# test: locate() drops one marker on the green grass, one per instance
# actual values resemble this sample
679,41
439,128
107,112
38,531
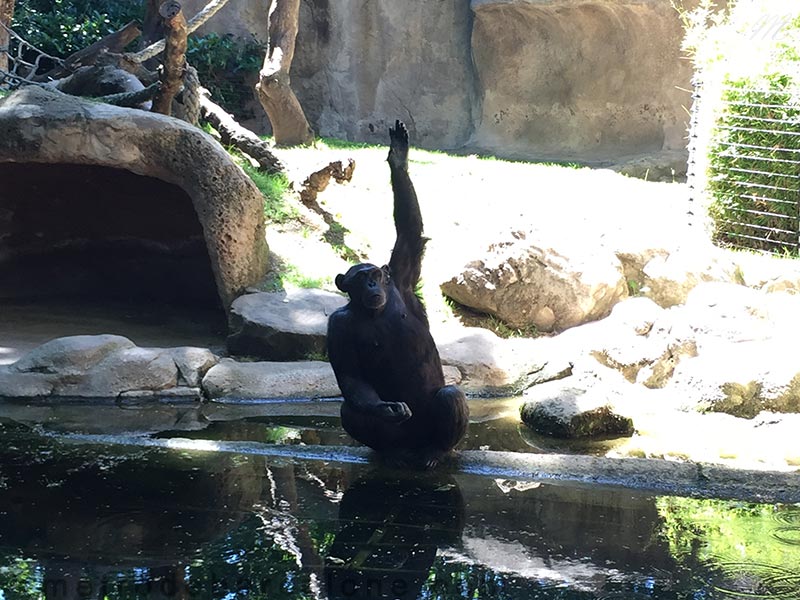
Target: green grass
347,145
288,275
274,187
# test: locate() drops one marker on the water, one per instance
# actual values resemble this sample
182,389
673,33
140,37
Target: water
135,512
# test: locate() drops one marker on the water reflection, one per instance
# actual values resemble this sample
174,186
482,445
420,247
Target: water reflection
390,532
82,521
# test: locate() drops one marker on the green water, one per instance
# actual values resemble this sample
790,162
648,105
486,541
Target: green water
84,520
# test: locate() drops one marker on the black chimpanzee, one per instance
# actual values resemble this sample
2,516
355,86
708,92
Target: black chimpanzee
381,349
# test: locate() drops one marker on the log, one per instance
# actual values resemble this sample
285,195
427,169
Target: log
233,134
113,42
174,56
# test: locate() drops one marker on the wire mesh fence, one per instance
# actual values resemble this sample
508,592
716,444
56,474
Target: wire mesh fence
753,168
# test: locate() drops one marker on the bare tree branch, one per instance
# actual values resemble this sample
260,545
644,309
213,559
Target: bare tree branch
194,23
174,57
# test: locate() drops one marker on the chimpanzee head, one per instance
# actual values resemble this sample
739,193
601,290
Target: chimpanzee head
366,284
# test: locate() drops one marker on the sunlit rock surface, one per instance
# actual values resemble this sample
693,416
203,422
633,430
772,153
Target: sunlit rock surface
289,325
105,366
309,379
525,283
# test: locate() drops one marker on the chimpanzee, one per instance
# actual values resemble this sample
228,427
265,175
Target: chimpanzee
381,349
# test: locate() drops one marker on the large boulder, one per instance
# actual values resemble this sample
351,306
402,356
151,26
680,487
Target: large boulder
575,408
270,380
549,286
45,132
289,325
492,366
105,366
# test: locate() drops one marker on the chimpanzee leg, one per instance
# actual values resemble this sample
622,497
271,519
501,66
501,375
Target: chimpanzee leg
449,416
382,436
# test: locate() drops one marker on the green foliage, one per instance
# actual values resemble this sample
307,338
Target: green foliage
753,538
751,79
753,165
223,65
61,27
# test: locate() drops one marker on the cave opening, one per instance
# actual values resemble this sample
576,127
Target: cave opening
94,249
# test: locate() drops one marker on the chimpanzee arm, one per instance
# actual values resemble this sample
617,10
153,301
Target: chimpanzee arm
358,393
406,261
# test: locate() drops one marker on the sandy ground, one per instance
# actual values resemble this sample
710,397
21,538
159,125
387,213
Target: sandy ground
468,203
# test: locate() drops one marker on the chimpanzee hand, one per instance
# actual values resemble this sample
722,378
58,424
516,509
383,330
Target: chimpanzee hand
398,145
393,412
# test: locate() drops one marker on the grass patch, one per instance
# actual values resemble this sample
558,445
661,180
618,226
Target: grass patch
288,275
337,144
274,187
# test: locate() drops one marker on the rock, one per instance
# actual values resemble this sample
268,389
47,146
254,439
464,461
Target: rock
42,129
14,384
193,363
72,355
126,370
92,366
452,375
721,313
574,408
528,284
350,82
491,366
513,77
595,48
93,81
231,379
176,394
669,279
290,325
742,379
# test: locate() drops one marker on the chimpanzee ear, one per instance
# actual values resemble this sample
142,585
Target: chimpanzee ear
387,272
341,283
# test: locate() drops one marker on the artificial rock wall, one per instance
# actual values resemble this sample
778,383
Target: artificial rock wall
590,80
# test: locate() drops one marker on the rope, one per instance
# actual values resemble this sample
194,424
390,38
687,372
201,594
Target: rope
16,61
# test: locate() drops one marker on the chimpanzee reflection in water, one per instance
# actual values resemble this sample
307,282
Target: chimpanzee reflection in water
390,531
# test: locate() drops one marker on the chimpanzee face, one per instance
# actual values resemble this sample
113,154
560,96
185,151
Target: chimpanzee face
366,285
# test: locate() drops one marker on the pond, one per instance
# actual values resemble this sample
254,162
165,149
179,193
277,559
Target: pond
188,504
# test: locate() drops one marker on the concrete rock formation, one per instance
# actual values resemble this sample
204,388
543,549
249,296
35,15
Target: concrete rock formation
590,80
83,140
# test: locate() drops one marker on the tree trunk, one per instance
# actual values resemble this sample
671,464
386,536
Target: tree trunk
174,56
152,24
289,124
6,14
